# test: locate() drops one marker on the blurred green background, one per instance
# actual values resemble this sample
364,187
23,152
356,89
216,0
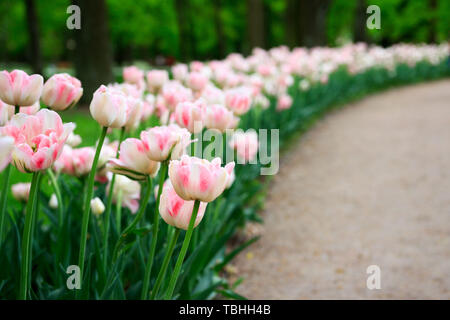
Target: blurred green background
34,36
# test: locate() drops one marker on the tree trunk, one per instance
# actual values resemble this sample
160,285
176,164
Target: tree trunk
359,26
432,37
220,53
255,24
292,23
183,42
93,53
33,33
312,20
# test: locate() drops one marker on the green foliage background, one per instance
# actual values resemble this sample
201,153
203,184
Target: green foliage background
142,29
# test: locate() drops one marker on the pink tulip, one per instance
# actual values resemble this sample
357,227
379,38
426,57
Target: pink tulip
189,115
164,142
148,106
156,80
128,89
238,100
213,95
61,91
180,72
129,191
198,179
133,75
174,93
218,117
6,112
73,140
75,162
245,144
31,110
108,152
284,102
19,89
196,66
133,161
134,113
197,81
177,212
109,107
6,146
38,139
21,191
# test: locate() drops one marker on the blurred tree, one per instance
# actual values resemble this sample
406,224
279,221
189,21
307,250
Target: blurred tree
255,24
312,18
218,23
35,55
359,25
306,22
292,23
93,56
432,37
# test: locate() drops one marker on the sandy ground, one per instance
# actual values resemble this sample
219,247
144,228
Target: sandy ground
368,185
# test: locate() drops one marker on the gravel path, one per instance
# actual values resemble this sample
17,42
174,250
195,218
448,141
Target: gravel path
369,184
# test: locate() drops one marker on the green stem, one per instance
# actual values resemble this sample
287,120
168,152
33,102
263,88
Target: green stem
151,254
3,198
4,195
58,196
25,270
109,206
119,211
137,218
87,203
184,248
162,272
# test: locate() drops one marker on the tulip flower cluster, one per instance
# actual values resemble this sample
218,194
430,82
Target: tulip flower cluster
125,203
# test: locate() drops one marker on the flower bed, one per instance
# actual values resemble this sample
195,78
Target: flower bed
113,218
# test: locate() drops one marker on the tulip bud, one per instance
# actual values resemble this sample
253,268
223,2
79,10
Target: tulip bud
133,74
61,91
189,115
19,89
134,113
97,206
218,117
180,72
6,146
164,142
129,191
246,145
177,212
21,191
198,179
156,79
31,110
6,112
133,161
238,100
197,81
73,140
173,93
284,102
53,202
109,107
